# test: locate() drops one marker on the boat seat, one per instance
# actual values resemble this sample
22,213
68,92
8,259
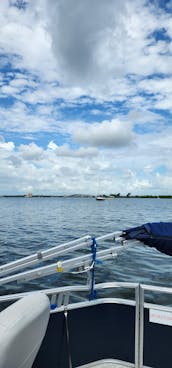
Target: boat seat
22,329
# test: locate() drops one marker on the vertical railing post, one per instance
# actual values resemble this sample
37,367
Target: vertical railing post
93,293
141,316
139,326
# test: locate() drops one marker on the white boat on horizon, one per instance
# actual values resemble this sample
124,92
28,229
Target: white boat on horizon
100,198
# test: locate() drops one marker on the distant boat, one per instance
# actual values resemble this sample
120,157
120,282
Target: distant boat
100,198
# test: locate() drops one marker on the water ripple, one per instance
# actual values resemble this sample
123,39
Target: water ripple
31,224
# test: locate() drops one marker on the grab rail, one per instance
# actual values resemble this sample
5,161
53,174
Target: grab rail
61,298
82,262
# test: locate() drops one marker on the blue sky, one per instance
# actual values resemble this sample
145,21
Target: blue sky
85,97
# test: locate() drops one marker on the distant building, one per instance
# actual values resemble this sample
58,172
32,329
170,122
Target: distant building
28,195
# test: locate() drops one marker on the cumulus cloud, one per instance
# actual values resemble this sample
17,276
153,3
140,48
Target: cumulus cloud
76,41
24,38
161,89
31,152
61,170
91,46
67,65
7,146
106,46
66,151
106,134
19,118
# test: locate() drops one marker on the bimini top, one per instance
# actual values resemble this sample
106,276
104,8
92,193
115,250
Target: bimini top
156,234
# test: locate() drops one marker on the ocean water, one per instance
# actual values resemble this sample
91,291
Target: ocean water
31,224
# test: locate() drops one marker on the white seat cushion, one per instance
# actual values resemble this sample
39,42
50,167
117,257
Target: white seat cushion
22,329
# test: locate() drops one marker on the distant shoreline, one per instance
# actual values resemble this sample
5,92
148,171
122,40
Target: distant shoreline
85,196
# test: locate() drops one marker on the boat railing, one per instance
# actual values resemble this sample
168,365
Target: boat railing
11,272
154,322
149,318
71,290
147,323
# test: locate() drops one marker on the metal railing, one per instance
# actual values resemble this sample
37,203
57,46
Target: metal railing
156,307
61,299
10,272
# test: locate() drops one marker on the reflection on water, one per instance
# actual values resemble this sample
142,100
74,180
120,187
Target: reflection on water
31,224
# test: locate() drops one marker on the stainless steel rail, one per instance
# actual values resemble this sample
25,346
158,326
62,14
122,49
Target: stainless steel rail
142,305
83,262
56,251
62,296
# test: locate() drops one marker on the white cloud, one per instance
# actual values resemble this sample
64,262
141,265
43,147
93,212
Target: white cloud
19,118
31,152
161,90
106,134
93,42
72,55
89,47
52,146
8,90
24,35
106,46
66,151
7,146
76,41
61,170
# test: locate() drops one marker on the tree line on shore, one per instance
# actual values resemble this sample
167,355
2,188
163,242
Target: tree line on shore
112,195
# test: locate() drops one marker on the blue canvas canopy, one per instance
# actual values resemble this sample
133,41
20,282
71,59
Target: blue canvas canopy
156,234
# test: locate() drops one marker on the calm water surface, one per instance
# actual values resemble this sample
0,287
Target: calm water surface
31,224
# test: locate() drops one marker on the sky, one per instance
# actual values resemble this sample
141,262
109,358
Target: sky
85,97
